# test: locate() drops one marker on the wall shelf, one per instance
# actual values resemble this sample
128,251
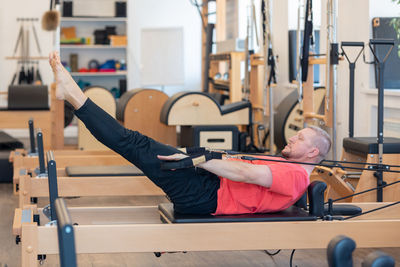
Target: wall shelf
85,26
97,46
98,74
93,19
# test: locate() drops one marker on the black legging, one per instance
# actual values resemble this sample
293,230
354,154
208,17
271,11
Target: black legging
192,190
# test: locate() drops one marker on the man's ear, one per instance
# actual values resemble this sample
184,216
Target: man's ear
314,152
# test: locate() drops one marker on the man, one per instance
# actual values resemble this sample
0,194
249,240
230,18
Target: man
217,186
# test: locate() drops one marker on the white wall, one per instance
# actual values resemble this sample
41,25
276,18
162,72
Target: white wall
158,14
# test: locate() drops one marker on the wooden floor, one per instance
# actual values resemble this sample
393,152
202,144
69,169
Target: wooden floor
10,252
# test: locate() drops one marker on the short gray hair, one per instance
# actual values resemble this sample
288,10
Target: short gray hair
322,142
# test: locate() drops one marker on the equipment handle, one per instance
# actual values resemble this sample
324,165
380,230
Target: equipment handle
361,44
381,41
63,216
50,156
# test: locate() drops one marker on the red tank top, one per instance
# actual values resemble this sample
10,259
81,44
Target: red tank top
289,182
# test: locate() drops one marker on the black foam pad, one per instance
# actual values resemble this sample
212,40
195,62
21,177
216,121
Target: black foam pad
88,171
28,97
343,209
8,142
291,214
369,145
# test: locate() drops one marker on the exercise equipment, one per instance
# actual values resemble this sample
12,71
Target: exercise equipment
28,97
104,99
367,148
50,121
192,109
110,227
7,144
140,110
28,165
65,232
352,66
35,187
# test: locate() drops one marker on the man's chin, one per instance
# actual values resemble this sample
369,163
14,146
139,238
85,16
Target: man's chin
285,153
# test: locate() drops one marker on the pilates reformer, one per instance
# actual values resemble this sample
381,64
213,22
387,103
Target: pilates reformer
106,184
77,164
339,250
139,229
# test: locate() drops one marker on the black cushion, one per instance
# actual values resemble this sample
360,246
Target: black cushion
6,167
291,214
8,142
28,97
368,145
232,107
88,171
343,209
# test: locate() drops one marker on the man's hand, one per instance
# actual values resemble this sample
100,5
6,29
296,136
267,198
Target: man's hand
174,157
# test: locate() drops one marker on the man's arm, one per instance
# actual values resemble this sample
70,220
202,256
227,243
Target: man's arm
237,171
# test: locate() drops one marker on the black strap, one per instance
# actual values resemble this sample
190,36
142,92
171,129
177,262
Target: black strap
191,161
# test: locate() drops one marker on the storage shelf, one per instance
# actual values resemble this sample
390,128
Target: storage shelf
82,46
93,19
98,74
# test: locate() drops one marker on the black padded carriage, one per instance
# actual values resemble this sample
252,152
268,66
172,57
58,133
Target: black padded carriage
297,212
291,214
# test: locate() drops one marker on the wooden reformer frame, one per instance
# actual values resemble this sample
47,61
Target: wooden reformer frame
87,186
140,230
24,164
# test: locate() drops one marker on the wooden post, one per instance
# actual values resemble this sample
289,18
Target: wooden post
204,13
257,93
235,83
29,244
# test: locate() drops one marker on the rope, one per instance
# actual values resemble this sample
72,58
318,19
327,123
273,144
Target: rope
363,213
362,192
385,168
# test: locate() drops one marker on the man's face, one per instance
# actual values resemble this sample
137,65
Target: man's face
299,145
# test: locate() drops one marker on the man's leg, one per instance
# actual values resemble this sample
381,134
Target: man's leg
190,190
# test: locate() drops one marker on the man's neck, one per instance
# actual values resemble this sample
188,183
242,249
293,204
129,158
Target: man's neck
307,167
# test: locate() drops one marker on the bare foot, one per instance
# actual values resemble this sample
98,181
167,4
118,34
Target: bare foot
67,89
